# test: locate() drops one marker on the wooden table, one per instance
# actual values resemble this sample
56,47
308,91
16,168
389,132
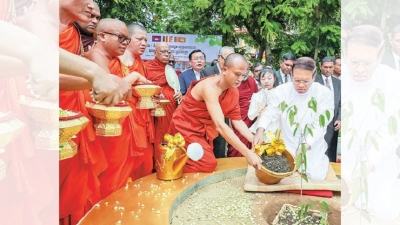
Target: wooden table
150,200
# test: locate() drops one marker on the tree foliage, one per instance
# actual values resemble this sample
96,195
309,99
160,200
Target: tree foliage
303,27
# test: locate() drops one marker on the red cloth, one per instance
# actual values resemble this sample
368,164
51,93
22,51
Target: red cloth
26,191
178,72
143,130
246,90
320,193
79,185
118,150
156,73
193,121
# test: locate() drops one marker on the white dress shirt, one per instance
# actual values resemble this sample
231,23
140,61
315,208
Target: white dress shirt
197,74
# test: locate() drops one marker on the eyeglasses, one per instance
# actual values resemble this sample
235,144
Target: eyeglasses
199,58
306,82
171,61
257,71
121,38
366,64
165,52
222,57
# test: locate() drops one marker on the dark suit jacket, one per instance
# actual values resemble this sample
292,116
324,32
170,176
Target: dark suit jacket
208,71
388,59
185,79
278,80
337,87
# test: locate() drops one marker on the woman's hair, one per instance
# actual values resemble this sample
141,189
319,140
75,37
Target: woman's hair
265,71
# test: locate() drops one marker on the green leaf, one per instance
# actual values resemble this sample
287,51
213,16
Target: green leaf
298,161
311,205
328,115
321,120
291,118
304,177
378,100
365,214
392,125
294,132
310,132
373,140
326,207
312,104
283,106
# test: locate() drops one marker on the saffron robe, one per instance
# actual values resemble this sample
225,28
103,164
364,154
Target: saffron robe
193,121
246,90
156,73
79,184
143,130
119,150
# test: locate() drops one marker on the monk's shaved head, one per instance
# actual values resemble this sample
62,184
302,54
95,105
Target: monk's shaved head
110,24
162,52
234,59
133,28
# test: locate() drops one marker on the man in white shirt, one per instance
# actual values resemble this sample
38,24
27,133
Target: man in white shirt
297,95
334,85
283,75
197,60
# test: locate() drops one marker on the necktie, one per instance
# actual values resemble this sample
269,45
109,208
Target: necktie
286,79
327,83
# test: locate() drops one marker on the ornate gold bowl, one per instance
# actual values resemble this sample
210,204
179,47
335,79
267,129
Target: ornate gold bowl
269,177
108,122
68,127
45,116
144,92
159,110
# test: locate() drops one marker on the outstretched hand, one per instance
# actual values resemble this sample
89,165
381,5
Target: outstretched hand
254,160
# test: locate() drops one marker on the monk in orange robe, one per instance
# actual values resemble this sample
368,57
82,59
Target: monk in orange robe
119,150
79,187
143,129
200,117
246,89
156,73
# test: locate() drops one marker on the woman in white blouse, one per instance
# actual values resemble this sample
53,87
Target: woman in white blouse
258,101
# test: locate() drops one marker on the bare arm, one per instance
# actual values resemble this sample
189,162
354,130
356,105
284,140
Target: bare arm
72,83
243,129
210,97
12,67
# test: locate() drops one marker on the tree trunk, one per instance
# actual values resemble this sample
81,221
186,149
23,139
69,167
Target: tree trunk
316,48
260,52
268,55
383,15
317,18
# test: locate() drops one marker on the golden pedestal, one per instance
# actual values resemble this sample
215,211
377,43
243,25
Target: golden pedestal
45,117
159,110
109,119
145,92
68,127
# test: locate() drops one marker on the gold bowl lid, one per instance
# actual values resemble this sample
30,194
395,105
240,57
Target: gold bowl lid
116,112
146,90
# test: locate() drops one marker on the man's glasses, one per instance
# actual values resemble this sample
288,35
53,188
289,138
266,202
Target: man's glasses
165,52
222,57
121,38
257,71
306,82
171,61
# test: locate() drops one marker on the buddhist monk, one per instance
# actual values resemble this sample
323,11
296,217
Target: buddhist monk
246,89
87,30
143,129
156,73
200,117
112,42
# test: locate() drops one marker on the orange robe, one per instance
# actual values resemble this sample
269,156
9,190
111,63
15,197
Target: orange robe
193,121
246,90
143,130
156,73
118,150
79,184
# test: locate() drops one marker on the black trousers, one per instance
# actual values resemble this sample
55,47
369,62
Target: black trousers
220,145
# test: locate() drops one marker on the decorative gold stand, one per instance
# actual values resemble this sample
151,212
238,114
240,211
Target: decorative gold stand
68,127
144,92
159,110
45,117
109,119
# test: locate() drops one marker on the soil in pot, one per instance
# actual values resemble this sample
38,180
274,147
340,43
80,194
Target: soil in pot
276,163
290,216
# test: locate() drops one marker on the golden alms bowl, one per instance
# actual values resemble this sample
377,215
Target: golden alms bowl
10,128
70,125
269,177
39,110
144,92
159,110
108,119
